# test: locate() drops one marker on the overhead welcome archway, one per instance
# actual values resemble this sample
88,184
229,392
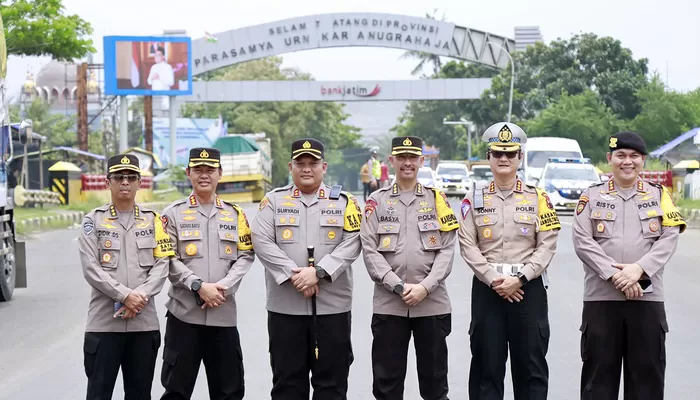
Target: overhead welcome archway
349,30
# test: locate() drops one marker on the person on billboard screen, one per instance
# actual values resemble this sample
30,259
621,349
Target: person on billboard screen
161,76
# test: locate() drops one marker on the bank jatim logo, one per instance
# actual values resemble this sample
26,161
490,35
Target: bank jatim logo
357,90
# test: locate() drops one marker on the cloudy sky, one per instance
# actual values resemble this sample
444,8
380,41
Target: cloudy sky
663,31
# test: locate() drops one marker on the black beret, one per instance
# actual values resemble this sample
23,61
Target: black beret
123,162
307,146
406,144
627,140
204,156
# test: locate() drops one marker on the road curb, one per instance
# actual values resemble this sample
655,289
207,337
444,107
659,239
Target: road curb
71,217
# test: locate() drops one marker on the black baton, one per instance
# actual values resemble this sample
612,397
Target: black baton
312,264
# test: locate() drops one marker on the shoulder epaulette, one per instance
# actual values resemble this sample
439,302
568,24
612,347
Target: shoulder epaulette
655,184
175,203
281,188
229,202
597,184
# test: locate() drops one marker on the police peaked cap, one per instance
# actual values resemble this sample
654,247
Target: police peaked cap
504,136
307,146
123,162
206,156
627,140
407,145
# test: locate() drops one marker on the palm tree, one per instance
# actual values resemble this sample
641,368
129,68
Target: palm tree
424,58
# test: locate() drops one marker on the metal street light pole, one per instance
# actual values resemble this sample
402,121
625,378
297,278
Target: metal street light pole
512,77
469,126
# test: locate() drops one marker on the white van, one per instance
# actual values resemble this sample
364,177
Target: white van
538,150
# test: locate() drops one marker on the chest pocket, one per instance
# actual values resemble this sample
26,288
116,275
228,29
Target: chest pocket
525,223
430,235
109,253
651,222
486,226
603,222
145,248
388,236
332,229
286,228
189,244
227,245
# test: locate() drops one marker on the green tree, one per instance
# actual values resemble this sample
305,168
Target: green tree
41,28
543,72
424,118
283,122
665,114
582,117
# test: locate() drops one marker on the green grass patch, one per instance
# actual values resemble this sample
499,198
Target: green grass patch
692,204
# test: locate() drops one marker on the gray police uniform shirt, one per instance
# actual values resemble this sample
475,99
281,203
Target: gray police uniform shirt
212,244
409,237
639,225
119,255
286,223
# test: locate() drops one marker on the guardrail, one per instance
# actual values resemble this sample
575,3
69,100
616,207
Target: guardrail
32,198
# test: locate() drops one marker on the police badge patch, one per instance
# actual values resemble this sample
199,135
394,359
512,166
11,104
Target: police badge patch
88,227
466,206
164,221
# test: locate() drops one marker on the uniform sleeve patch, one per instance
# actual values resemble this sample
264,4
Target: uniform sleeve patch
88,227
582,202
466,207
164,221
370,206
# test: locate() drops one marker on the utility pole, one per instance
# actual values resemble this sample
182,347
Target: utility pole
148,121
469,126
82,107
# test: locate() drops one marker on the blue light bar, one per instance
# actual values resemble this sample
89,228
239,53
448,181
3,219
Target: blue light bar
570,160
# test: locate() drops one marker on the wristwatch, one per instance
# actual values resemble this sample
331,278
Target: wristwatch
320,272
398,289
522,277
196,285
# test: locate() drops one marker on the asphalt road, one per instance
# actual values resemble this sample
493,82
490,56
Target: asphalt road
41,329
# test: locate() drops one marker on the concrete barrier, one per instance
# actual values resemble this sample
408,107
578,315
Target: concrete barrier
39,223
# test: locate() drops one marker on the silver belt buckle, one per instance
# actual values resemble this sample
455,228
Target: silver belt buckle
509,269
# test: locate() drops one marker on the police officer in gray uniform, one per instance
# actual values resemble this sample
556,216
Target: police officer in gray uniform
213,254
308,333
125,254
624,232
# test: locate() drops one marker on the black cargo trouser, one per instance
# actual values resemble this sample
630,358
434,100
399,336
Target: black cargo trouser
497,325
187,346
134,352
390,355
292,356
623,334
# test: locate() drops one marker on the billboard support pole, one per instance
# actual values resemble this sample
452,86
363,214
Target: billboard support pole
148,122
173,129
123,124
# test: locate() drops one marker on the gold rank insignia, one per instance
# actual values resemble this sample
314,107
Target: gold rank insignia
386,242
331,205
613,142
487,233
321,194
191,249
601,227
331,235
125,160
425,210
106,257
188,211
288,204
653,226
286,234
306,145
108,226
204,154
407,142
108,244
423,203
505,134
189,218
226,219
143,225
228,249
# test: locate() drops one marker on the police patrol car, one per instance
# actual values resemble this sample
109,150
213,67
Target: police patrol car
564,179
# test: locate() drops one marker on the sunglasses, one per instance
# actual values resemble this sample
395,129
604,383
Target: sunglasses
499,154
121,177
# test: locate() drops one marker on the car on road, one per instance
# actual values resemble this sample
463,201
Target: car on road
565,179
453,178
427,177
